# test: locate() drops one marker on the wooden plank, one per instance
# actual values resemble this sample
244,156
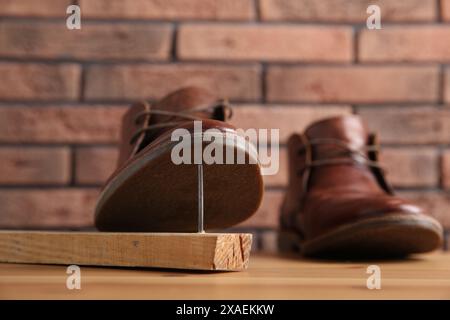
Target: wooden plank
268,277
197,251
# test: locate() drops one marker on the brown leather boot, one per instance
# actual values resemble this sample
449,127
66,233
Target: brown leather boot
148,192
338,202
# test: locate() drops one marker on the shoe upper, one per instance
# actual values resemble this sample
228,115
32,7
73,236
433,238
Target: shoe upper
144,122
335,178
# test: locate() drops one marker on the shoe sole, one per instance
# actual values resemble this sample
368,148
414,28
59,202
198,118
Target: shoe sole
155,195
390,236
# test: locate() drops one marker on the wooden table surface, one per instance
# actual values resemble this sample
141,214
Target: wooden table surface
268,277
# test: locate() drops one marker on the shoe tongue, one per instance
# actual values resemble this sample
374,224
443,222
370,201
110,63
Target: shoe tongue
179,102
186,99
350,129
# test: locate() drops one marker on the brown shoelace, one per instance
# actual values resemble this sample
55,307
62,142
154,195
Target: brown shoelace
349,155
188,115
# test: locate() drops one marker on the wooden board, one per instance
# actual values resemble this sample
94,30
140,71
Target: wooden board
197,251
268,277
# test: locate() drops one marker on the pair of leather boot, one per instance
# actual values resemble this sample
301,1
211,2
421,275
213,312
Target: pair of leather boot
337,202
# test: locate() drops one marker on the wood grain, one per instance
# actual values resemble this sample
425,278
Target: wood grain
208,251
268,277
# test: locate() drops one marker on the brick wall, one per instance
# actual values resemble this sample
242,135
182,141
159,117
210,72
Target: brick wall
284,63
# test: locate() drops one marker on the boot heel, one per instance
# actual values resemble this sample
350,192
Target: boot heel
288,242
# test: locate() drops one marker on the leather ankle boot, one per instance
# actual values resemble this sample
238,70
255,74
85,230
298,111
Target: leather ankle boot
338,202
151,192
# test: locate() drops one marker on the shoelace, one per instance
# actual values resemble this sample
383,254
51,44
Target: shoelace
347,156
185,115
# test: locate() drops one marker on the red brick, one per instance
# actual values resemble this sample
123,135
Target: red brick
405,43
34,165
447,85
445,169
169,10
288,119
435,203
265,42
94,165
357,84
52,208
142,81
445,10
414,125
87,124
267,214
69,124
94,41
345,11
30,8
39,81
407,167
